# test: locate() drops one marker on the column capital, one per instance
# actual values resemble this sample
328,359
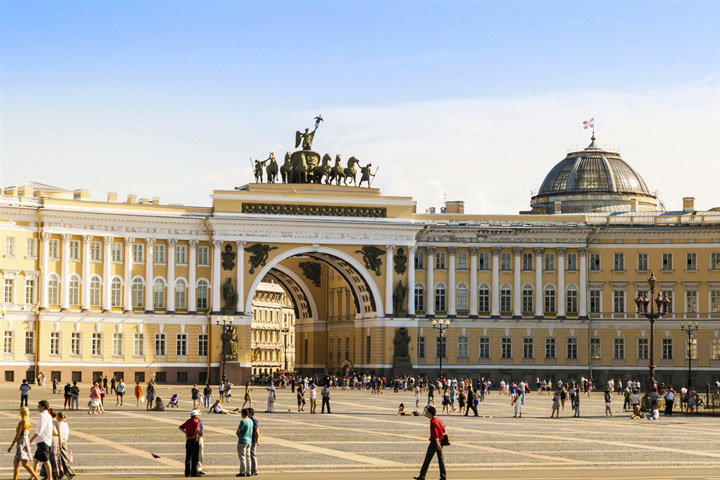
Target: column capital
172,242
411,249
129,240
517,250
561,251
44,236
217,243
430,250
495,250
474,251
539,250
240,243
452,250
193,243
150,242
390,249
65,237
108,240
87,238
583,250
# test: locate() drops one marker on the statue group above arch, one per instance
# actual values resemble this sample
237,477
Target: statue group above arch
307,166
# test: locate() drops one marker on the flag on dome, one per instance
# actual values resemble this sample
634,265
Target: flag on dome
589,123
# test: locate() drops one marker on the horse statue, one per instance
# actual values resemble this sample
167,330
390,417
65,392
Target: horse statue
272,169
337,172
286,169
322,170
351,171
300,169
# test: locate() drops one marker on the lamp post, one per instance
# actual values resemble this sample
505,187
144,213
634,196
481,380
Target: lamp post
226,323
689,328
285,330
441,326
662,309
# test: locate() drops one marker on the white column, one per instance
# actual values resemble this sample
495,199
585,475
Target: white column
85,300
216,287
65,291
389,281
517,286
44,265
538,282
495,282
452,303
240,279
192,261
107,259
561,283
171,275
149,258
411,281
128,274
583,282
473,282
430,307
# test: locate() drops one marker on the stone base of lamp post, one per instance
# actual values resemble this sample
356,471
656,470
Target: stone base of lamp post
402,366
236,373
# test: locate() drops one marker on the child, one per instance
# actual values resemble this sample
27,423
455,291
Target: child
576,406
555,406
417,397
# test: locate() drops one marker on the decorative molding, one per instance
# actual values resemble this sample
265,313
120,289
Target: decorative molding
314,210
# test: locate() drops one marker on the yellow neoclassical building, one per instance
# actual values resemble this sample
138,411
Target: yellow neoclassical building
133,287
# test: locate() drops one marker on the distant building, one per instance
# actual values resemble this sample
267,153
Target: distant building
273,330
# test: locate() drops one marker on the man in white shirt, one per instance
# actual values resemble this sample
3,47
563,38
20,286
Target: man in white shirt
43,438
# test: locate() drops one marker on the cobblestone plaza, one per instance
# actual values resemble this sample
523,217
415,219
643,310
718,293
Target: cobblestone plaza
363,438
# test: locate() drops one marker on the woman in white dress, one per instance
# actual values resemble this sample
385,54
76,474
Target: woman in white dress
271,398
22,453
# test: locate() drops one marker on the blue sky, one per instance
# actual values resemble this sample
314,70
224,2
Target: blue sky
204,85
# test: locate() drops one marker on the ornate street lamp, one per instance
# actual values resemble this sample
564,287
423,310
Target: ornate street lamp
226,323
441,326
662,309
689,328
285,330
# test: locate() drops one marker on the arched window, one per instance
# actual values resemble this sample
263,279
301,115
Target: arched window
549,299
419,297
116,293
180,294
137,293
484,298
159,294
572,300
202,294
74,290
440,305
527,299
505,299
462,297
95,292
53,289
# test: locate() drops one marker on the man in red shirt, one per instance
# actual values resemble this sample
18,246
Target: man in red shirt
192,444
437,430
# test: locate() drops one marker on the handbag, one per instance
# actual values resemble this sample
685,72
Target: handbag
445,441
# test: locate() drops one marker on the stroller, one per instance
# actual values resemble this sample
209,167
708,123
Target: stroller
173,401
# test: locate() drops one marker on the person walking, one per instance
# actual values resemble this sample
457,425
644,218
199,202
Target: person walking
437,431
207,395
113,385
67,393
149,395
24,389
248,395
55,449
74,397
244,433
472,399
517,401
325,395
255,441
120,392
138,393
300,398
313,398
105,382
22,440
195,396
271,398
576,405
64,452
201,444
43,438
555,406
94,405
55,385
669,401
608,402
191,427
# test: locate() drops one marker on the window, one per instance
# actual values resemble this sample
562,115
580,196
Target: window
571,262
484,261
691,262
159,254
181,255
202,294
160,345
9,290
159,294
74,249
715,349
462,347
440,297
95,292
715,261
96,344
139,344
137,293
75,343
692,349
527,299
506,347
419,260
462,261
116,293
203,345
180,294
618,348
202,256
117,344
691,301
619,261
95,251
484,351
642,262
10,246
440,347
595,302
714,301
527,261
116,250
53,249
571,300
528,348
138,252
643,349
182,377
618,301
549,262
419,297
505,262
505,297
484,298
595,348
420,346
549,348
667,349
594,262
572,348
74,290
29,290
8,341
462,297
439,260
29,343
667,261
549,300
31,247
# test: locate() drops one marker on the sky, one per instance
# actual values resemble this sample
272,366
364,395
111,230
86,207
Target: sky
472,101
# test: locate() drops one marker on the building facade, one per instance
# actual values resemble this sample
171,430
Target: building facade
273,330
